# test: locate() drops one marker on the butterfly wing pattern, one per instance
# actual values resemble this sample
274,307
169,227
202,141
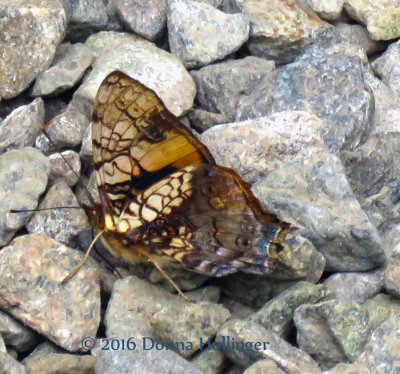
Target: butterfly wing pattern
162,195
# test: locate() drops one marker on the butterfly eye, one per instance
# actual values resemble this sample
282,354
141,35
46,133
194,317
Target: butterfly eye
208,189
243,242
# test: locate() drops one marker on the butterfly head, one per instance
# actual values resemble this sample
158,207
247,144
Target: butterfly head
95,215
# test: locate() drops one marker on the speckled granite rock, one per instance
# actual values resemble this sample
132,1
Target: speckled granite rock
63,313
31,31
62,363
65,166
63,225
154,67
332,332
23,175
21,127
282,41
200,34
277,314
381,18
145,18
276,349
68,67
64,130
189,322
139,361
222,87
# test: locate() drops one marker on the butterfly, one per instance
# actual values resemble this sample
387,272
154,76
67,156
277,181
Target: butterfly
163,199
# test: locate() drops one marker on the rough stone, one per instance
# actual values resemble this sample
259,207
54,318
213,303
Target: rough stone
147,18
23,175
69,65
31,31
31,270
21,127
63,225
282,42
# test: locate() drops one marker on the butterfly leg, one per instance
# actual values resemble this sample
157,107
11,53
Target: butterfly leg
73,272
168,278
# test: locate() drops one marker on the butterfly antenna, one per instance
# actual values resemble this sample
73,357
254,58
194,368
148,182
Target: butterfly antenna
43,130
70,275
41,209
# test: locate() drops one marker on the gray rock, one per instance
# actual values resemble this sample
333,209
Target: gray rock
21,127
271,346
264,366
326,9
357,287
69,65
237,309
142,361
53,106
302,184
382,353
62,363
64,130
253,147
298,261
380,18
86,17
63,225
104,41
387,112
32,292
332,332
387,69
209,362
17,335
349,369
31,32
201,120
277,314
155,68
41,351
8,364
392,272
332,86
374,174
23,175
273,39
379,309
147,18
197,322
211,294
315,192
133,302
61,170
222,87
358,35
200,34
186,280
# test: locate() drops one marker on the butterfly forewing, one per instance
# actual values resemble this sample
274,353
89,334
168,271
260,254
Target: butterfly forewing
162,195
136,141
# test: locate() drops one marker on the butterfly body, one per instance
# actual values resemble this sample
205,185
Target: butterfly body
162,195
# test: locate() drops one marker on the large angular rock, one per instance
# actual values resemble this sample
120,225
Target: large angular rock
23,175
31,31
31,270
200,34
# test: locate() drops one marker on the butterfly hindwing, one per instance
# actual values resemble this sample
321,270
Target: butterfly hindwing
136,141
205,218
